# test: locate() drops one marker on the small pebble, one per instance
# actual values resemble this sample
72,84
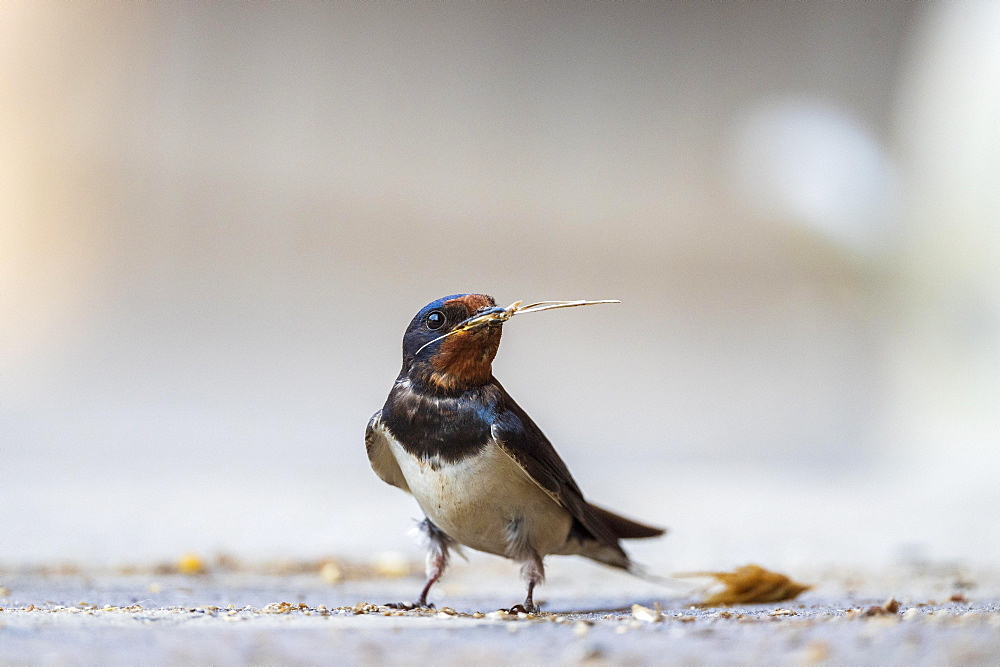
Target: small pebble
646,614
190,563
816,651
331,573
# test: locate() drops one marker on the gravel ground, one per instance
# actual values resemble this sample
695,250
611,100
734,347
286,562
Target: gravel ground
946,615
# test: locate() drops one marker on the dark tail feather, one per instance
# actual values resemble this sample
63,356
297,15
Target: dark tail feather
626,529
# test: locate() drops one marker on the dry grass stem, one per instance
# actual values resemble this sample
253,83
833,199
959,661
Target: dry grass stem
510,311
749,584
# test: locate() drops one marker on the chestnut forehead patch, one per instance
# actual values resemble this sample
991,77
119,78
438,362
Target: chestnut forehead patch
472,302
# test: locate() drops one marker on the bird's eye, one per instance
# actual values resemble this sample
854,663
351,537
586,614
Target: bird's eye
435,320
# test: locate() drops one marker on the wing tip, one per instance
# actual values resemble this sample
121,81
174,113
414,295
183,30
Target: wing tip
627,529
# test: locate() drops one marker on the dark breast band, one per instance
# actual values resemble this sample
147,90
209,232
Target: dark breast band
440,428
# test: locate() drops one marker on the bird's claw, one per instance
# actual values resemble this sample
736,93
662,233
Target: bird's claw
410,606
522,609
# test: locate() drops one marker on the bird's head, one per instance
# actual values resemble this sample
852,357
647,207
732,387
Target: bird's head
450,344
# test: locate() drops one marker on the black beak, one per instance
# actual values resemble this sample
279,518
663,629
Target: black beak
484,316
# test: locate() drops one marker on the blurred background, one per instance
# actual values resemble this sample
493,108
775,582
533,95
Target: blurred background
216,220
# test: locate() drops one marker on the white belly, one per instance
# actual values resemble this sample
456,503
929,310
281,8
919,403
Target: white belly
476,500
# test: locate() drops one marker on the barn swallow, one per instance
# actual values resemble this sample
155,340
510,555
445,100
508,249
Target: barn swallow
483,473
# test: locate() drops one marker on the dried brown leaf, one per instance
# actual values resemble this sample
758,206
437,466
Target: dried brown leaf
750,584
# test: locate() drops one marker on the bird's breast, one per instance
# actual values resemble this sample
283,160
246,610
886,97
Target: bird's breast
477,499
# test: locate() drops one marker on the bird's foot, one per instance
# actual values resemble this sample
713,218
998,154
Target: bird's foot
524,609
410,606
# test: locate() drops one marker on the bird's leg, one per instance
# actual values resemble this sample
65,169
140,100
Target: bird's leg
437,543
520,549
533,571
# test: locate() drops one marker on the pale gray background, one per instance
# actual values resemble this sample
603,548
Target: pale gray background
217,219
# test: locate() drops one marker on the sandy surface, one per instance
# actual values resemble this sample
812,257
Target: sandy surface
947,614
